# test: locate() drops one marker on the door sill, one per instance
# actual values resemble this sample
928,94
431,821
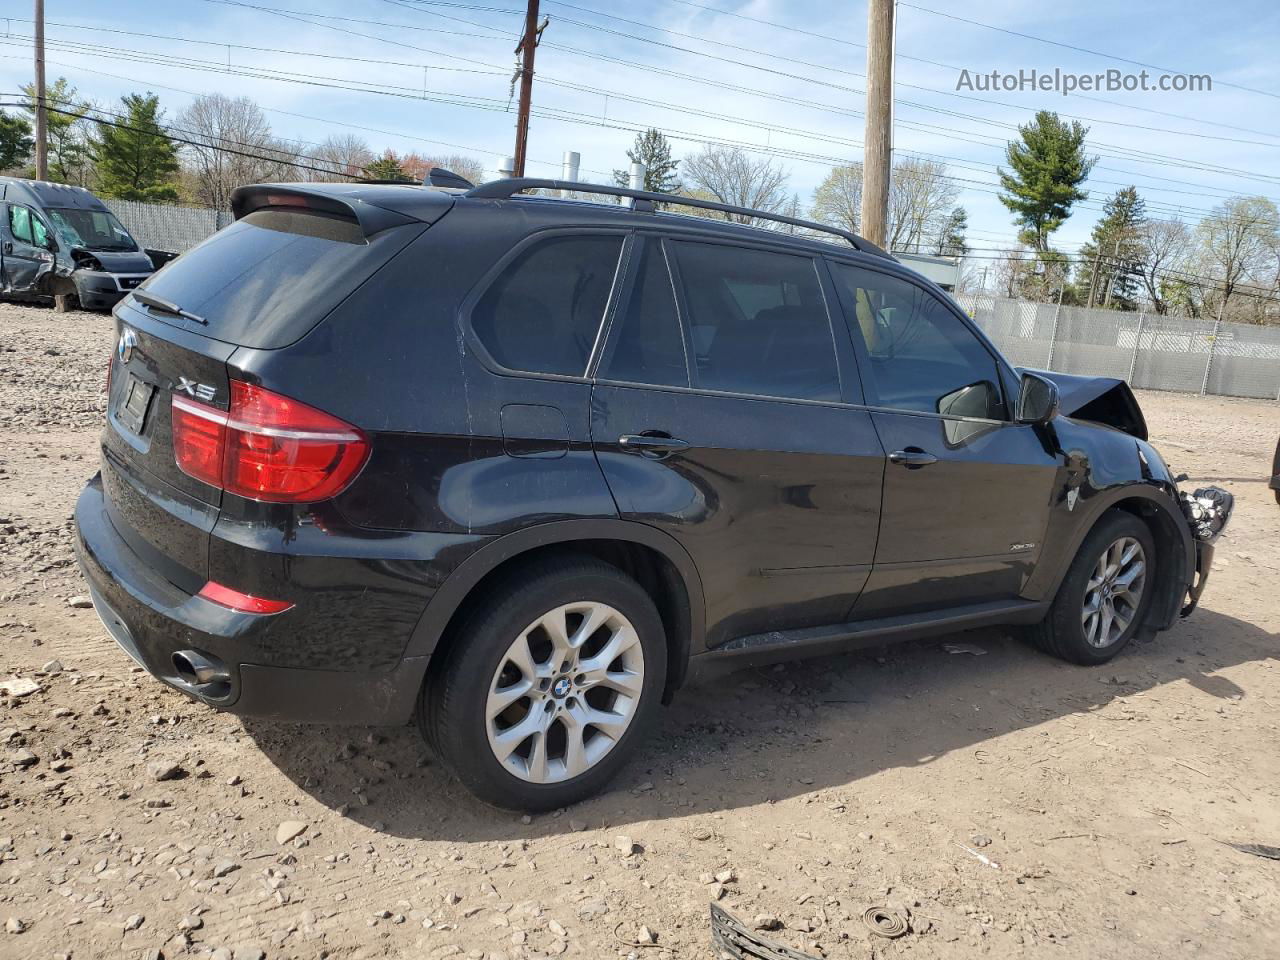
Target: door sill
777,645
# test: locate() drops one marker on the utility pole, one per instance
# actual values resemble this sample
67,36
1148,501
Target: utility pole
42,119
1115,269
878,148
528,44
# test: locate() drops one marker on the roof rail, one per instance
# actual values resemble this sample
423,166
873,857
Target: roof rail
644,201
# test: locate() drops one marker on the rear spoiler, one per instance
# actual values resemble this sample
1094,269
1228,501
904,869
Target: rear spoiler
339,204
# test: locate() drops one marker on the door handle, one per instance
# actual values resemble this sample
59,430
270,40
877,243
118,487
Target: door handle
913,458
8,246
650,444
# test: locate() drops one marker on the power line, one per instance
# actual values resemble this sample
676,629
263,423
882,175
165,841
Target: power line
325,120
845,89
189,142
1071,46
1124,152
951,66
555,113
821,66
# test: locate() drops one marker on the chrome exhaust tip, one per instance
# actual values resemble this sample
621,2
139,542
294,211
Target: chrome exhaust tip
206,676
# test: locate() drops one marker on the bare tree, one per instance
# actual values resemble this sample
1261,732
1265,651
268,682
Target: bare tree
418,165
1011,271
464,166
838,199
921,197
342,156
233,146
1162,245
729,175
1236,239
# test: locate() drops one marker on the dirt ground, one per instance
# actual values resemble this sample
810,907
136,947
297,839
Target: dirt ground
1102,800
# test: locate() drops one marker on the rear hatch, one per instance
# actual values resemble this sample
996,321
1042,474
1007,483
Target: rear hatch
263,282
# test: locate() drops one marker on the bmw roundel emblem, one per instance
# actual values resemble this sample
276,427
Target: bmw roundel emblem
128,340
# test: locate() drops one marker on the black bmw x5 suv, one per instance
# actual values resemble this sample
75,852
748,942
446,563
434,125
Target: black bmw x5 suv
517,467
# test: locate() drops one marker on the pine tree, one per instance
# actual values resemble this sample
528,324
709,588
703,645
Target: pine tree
951,241
387,167
654,151
1109,263
1048,165
15,141
136,160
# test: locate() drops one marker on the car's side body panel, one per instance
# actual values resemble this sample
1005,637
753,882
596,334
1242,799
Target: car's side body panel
770,519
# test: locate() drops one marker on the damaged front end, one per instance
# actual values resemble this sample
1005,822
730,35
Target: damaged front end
1207,511
100,279
1104,400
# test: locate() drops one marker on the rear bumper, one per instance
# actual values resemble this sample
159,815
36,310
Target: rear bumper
152,620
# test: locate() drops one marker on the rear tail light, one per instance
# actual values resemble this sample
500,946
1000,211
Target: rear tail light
267,446
243,602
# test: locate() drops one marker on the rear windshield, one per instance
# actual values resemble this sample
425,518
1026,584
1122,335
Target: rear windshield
270,277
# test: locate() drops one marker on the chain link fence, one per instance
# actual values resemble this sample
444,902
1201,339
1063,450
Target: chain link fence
168,226
1146,349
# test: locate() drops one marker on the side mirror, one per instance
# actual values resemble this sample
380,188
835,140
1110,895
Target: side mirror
1037,399
51,244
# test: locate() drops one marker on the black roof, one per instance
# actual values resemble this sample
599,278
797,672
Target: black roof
42,193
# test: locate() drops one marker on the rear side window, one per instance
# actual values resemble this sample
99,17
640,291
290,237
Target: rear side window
758,322
544,310
921,356
271,276
648,346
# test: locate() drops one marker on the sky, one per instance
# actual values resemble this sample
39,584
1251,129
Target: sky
784,80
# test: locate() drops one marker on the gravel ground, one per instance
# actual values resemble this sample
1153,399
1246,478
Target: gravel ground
1007,802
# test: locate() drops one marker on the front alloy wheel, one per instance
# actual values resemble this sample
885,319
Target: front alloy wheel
565,692
1103,598
1113,593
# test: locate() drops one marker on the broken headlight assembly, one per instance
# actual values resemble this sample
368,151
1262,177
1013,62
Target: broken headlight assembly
1207,511
85,261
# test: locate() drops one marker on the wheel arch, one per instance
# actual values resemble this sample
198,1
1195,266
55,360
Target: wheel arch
1156,508
661,566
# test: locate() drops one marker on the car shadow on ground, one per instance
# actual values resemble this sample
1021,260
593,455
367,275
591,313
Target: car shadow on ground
760,736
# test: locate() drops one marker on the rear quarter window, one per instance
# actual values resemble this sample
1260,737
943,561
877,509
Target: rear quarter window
544,310
270,277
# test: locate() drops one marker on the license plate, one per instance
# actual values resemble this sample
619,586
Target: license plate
133,412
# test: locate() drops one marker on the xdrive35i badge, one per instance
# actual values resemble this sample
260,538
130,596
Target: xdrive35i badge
128,340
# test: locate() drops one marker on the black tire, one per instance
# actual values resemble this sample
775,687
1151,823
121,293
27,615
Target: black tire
1062,632
452,706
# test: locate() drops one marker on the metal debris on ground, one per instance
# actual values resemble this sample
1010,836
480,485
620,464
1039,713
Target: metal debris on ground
970,648
1257,850
884,922
987,861
733,941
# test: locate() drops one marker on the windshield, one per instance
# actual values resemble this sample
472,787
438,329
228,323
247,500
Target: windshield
91,229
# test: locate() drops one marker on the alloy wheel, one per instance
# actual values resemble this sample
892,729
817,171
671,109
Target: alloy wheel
565,692
1114,592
